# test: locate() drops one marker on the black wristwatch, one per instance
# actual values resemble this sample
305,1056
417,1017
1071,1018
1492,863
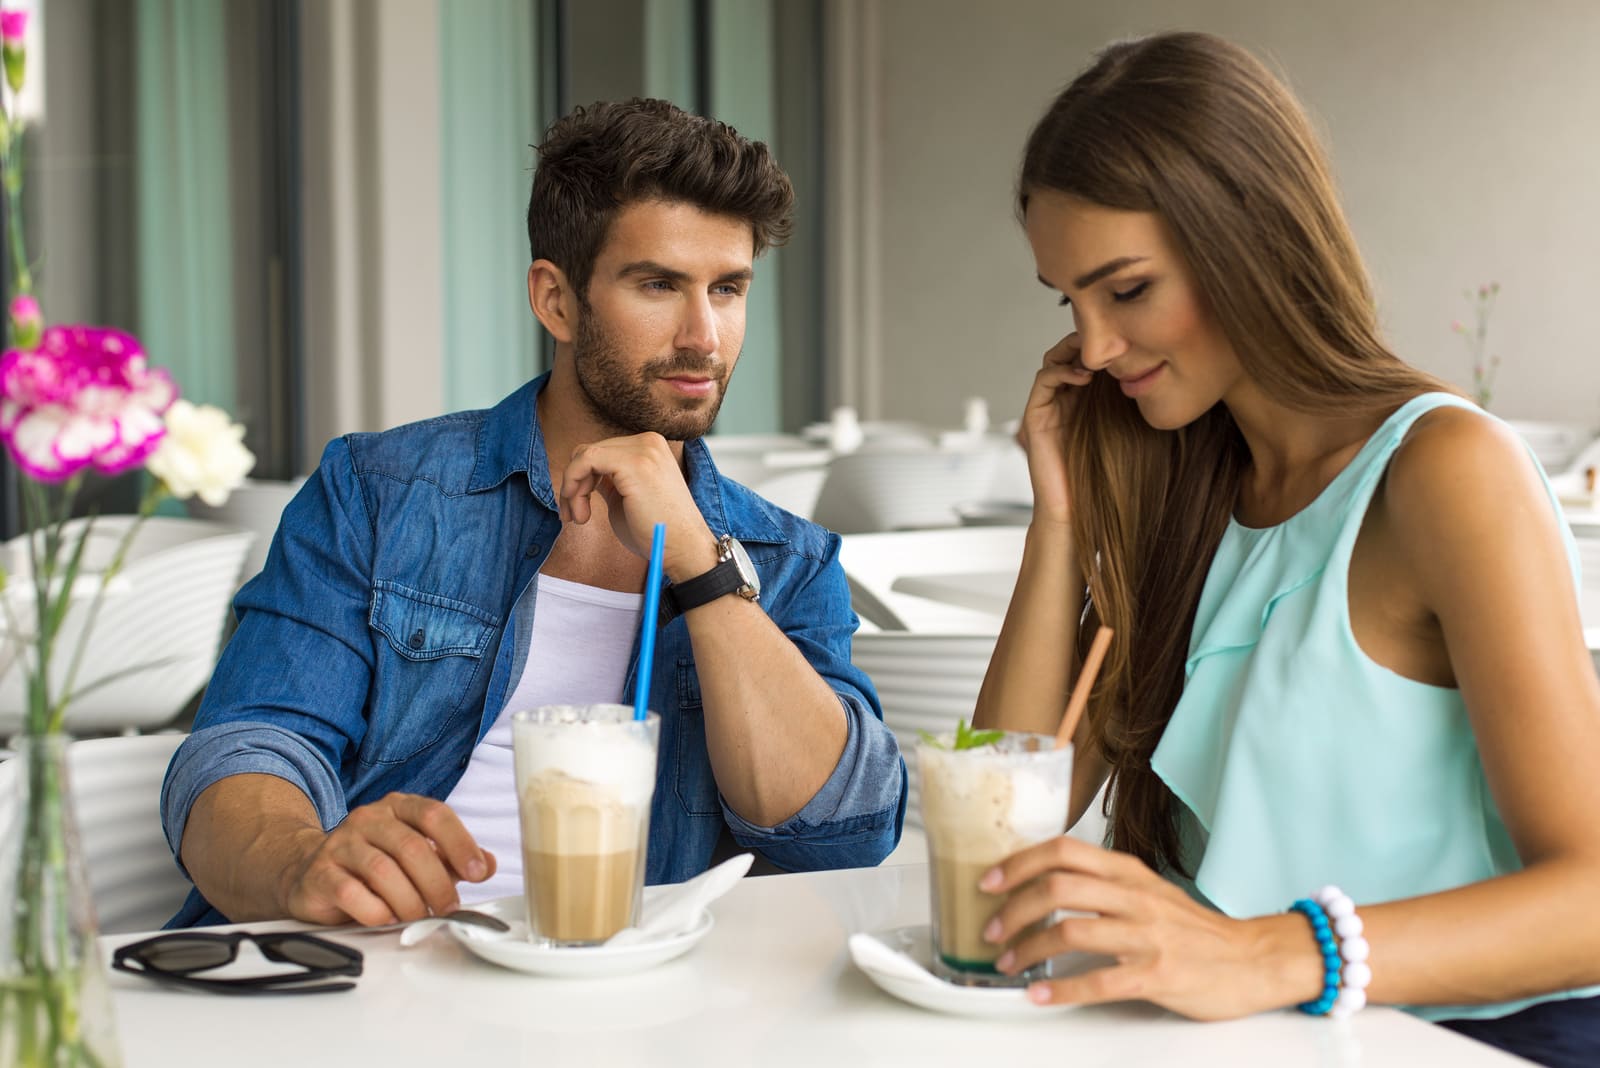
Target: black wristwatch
734,573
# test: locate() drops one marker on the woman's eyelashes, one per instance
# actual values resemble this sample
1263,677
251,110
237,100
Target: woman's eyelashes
1121,296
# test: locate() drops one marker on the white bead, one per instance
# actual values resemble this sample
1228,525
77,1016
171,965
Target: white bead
1357,973
1327,894
1350,1000
1348,926
1354,949
1340,907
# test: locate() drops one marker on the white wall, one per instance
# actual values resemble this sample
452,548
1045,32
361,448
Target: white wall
1465,134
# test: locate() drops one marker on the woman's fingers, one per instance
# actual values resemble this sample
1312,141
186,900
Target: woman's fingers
1107,937
1040,898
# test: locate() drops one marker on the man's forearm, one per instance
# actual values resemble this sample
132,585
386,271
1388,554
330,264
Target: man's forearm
244,836
774,728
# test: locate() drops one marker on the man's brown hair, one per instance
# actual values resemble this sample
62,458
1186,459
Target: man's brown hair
598,159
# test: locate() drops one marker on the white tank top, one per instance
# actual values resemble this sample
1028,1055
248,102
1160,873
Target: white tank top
577,654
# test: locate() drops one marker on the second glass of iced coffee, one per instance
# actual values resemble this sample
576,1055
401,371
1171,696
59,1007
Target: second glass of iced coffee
979,806
585,777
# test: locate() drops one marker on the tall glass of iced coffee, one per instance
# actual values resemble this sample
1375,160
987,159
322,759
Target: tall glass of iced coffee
980,805
585,775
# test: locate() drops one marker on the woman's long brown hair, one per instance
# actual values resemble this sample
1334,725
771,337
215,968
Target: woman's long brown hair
1199,132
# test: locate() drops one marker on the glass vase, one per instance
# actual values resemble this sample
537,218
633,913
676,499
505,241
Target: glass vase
55,1000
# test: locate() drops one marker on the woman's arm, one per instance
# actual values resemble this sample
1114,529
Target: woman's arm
1034,661
1468,517
1473,522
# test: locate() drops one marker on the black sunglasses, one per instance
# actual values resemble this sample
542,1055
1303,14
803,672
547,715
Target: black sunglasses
174,958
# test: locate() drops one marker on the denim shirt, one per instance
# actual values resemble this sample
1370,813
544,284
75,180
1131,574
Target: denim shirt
371,657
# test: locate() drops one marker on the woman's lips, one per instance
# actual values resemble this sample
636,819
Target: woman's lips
1133,387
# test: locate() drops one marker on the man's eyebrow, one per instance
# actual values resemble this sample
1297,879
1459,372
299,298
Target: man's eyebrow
652,269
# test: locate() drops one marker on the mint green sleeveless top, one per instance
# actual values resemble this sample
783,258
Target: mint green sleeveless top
1302,762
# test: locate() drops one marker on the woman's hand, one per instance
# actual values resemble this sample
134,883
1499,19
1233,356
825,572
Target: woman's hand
1044,417
1169,950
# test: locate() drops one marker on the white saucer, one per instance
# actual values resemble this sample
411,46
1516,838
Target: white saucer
516,952
994,1003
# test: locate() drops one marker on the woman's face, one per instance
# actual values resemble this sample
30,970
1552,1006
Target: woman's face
1138,312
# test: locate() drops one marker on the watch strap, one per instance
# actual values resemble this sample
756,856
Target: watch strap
679,597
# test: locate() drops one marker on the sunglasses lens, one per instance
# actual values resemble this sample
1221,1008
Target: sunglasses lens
181,954
309,954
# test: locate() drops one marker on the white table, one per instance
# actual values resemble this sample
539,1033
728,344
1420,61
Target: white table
771,985
981,591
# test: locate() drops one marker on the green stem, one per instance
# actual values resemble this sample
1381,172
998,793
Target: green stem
12,177
147,507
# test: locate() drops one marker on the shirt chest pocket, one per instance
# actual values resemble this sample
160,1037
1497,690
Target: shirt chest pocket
431,662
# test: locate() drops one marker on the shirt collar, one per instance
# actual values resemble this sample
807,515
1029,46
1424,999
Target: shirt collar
510,441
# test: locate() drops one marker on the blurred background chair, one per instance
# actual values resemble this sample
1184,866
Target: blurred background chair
255,506
794,491
751,459
163,614
115,787
875,563
1556,444
880,490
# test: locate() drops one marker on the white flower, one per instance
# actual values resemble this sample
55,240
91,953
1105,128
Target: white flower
203,453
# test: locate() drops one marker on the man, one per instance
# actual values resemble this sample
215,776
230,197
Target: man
351,760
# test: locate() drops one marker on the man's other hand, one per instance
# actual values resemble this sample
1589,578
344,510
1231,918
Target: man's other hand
396,859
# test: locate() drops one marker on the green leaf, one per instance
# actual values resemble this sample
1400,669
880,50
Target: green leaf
967,738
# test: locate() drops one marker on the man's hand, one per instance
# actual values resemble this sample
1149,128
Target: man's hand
642,485
395,859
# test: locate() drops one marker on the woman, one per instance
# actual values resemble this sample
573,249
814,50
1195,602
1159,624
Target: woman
1347,641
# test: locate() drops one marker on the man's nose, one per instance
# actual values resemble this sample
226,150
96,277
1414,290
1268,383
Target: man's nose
698,330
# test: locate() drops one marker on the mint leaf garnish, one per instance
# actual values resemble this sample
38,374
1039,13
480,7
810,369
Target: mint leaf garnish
967,738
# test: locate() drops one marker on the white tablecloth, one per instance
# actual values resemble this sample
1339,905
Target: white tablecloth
771,985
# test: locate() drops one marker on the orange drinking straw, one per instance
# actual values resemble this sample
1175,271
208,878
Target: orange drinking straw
1080,691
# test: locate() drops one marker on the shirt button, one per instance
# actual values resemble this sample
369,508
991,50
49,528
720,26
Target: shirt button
462,763
417,638
533,550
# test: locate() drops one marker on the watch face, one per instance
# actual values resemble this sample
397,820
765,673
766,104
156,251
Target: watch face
747,570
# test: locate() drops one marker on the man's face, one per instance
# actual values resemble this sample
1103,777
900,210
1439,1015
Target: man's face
663,322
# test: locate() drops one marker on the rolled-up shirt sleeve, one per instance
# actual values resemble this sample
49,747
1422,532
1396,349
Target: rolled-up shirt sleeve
855,818
288,694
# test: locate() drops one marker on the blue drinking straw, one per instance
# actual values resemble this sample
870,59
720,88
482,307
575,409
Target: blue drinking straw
647,638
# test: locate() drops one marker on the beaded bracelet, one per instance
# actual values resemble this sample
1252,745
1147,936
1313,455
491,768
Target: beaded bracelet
1328,946
1353,950
1345,971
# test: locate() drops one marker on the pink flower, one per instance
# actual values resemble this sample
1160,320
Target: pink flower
85,397
13,26
26,321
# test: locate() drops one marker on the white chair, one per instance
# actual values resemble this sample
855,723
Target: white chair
873,562
878,490
794,491
1557,445
1589,591
163,614
115,786
256,506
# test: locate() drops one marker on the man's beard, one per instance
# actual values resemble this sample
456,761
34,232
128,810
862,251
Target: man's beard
622,396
